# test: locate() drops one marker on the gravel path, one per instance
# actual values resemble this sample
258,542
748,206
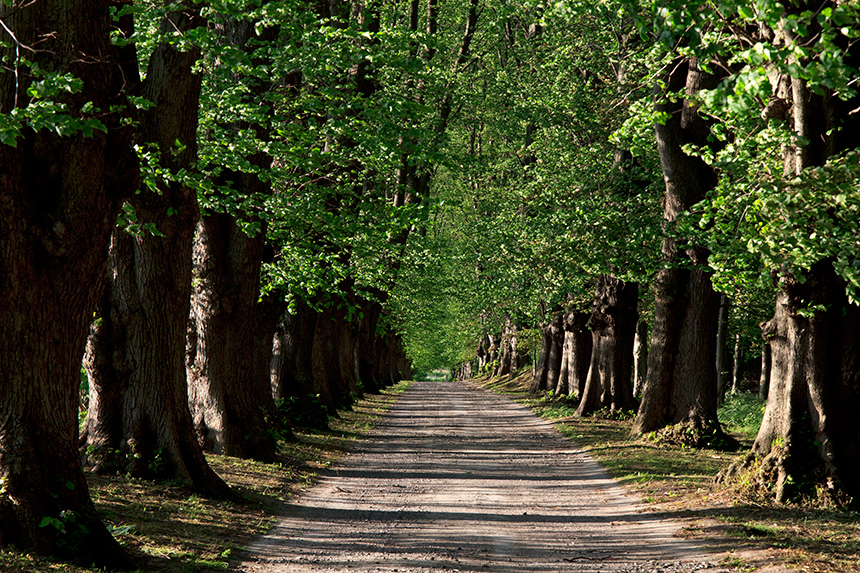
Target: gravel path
460,479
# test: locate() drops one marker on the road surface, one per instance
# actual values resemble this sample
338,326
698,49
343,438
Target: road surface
457,478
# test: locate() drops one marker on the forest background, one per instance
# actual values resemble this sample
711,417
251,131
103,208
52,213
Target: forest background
237,211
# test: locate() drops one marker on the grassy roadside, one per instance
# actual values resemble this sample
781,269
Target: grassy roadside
171,529
679,482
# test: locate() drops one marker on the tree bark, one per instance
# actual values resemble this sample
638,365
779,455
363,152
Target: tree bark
506,351
515,354
613,325
579,358
60,199
230,399
548,364
681,384
556,352
141,422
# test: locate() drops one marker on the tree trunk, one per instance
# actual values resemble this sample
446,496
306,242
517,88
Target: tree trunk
229,404
613,325
493,353
556,352
580,357
506,350
807,442
737,364
296,375
681,384
722,364
764,377
141,423
515,356
562,387
325,363
366,345
549,357
640,357
60,200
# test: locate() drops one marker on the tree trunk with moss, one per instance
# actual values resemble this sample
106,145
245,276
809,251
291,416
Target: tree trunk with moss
807,445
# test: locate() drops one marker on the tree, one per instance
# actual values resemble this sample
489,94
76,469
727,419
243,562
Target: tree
681,384
783,205
66,164
609,383
230,333
138,419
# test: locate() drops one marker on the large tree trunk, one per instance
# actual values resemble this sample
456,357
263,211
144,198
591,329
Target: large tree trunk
138,419
549,359
556,352
681,384
229,398
807,442
325,361
366,345
613,325
60,200
295,377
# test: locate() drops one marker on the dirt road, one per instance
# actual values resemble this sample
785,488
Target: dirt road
460,479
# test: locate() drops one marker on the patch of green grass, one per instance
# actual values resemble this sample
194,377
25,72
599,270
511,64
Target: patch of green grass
741,414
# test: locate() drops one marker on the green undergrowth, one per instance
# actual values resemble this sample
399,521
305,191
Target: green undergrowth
678,481
171,529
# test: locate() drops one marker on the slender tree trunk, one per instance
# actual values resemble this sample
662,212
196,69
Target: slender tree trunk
613,324
515,356
722,364
737,365
764,377
640,357
142,325
681,384
60,200
229,404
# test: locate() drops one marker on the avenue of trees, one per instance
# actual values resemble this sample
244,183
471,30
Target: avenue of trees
221,210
